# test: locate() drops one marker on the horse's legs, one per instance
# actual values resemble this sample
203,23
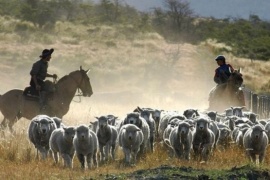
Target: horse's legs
4,123
11,122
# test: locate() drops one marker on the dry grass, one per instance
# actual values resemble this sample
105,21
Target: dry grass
127,70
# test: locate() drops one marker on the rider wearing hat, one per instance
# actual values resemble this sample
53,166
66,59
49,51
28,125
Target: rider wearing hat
39,73
223,72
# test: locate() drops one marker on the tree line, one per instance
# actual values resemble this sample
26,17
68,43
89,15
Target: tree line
175,21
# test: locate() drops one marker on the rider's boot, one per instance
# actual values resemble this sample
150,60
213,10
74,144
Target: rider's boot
43,101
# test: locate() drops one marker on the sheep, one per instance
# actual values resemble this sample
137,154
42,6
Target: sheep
39,132
214,127
240,135
267,129
164,121
86,145
237,129
130,139
107,135
203,140
212,115
156,116
228,112
255,142
251,116
94,126
145,113
173,123
58,122
238,111
112,119
191,113
61,141
225,135
134,118
180,140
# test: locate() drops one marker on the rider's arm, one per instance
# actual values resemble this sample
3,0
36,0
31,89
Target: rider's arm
231,68
34,71
34,77
51,75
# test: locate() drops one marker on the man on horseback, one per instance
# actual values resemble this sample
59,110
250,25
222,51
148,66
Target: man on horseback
39,73
224,70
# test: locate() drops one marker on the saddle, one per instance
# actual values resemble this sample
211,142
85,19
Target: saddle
32,93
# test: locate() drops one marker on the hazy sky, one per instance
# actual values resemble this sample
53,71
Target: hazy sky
214,8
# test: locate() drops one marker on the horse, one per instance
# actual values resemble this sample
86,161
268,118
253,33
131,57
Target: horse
15,105
227,94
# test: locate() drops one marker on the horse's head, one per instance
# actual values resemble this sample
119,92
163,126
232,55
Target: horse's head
236,78
85,85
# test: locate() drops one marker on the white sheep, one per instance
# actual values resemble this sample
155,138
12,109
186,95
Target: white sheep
107,136
255,142
86,145
145,113
39,133
130,139
181,139
61,142
165,120
94,126
240,136
58,121
134,118
204,139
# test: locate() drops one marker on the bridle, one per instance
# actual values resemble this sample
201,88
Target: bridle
79,92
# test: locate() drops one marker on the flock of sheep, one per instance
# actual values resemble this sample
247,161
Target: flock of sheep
185,135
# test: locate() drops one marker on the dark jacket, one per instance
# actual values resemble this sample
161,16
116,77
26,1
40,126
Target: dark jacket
40,70
223,73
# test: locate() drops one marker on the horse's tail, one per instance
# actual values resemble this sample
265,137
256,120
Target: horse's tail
1,101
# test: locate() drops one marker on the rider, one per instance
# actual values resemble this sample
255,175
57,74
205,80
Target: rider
39,73
224,70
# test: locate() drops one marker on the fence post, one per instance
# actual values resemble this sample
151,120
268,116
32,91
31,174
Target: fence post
254,103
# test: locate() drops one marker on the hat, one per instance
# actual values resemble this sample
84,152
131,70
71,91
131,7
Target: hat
46,52
220,57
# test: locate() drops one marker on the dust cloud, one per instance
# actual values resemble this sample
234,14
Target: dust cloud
173,77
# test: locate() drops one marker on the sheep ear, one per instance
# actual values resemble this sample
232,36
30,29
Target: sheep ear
36,121
125,121
96,117
140,109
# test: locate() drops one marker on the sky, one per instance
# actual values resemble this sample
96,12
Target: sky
213,8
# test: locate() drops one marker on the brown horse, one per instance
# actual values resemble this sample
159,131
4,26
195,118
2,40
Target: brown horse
14,105
228,94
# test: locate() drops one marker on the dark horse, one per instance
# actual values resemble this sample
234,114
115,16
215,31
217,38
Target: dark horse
228,94
14,105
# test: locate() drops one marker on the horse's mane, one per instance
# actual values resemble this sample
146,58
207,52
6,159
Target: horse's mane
65,77
62,79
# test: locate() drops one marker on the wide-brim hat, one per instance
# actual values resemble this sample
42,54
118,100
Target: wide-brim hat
46,52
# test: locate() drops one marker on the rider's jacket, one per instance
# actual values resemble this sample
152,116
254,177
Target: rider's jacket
223,73
40,69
